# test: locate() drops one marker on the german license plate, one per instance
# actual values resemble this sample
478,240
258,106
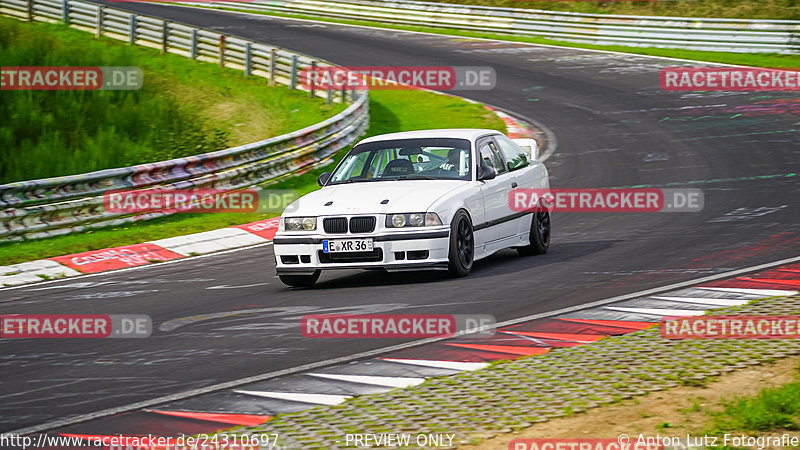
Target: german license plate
347,245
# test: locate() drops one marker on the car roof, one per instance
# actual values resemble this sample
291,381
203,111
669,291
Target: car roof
457,133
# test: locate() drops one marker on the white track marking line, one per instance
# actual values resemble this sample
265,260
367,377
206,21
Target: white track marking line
451,365
78,285
764,292
380,351
319,399
391,382
705,301
225,286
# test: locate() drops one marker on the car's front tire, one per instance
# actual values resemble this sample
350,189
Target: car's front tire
300,280
540,235
462,244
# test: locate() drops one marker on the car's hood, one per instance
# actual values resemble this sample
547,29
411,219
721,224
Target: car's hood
373,197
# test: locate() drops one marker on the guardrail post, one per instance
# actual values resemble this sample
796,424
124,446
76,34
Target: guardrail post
193,44
99,23
164,36
30,10
65,12
132,30
311,81
272,55
248,56
330,97
344,93
222,50
293,76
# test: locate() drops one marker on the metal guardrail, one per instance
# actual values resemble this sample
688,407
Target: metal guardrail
61,205
731,35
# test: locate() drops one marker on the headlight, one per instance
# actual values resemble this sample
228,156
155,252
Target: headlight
412,220
309,223
398,220
297,224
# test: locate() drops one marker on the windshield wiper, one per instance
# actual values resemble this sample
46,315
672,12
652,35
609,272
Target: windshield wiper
416,177
404,177
356,180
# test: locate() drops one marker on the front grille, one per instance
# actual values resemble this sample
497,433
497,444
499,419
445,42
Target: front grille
375,255
335,224
365,224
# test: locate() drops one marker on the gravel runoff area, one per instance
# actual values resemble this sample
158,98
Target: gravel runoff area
516,394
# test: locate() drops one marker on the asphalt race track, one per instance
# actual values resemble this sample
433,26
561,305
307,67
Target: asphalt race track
225,317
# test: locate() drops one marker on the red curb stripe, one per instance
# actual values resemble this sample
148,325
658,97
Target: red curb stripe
232,419
140,254
513,350
772,281
116,258
263,228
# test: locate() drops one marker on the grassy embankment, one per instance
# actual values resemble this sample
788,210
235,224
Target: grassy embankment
184,107
773,410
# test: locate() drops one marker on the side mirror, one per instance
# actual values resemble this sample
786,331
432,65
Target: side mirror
530,146
323,178
486,173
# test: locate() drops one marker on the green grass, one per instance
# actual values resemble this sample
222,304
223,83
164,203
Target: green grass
771,410
184,107
746,9
771,60
390,111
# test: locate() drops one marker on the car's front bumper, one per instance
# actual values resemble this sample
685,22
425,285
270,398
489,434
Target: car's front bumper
426,248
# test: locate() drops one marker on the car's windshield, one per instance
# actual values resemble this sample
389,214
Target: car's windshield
406,159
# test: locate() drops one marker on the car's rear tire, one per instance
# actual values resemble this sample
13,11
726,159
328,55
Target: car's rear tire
300,280
540,235
462,245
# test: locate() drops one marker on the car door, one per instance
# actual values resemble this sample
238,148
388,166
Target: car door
525,172
499,225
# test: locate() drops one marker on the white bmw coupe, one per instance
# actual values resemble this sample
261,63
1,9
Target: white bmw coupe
433,199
